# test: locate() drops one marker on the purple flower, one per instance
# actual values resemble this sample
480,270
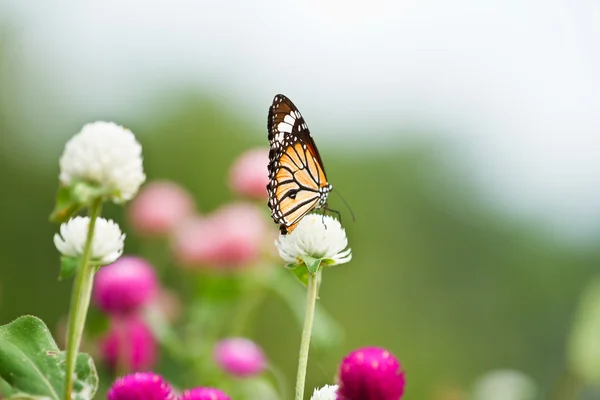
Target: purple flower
141,386
239,357
129,340
125,285
202,393
370,373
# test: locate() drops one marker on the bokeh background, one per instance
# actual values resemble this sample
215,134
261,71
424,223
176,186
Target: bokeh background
465,135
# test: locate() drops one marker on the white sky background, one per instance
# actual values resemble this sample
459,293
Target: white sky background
516,84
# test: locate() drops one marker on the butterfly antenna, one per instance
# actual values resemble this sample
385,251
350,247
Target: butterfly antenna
347,205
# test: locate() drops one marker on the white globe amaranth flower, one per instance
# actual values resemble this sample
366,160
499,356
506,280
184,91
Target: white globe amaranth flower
317,237
327,392
107,155
107,243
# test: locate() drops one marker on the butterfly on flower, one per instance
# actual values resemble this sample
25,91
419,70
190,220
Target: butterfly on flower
297,181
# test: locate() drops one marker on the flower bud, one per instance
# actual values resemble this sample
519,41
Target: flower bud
141,386
240,357
370,373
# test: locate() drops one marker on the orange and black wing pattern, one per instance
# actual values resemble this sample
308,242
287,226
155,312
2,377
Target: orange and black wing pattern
297,180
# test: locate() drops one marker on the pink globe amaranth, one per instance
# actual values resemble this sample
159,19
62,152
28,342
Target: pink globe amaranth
249,175
229,238
141,386
125,286
129,341
159,207
370,373
239,357
202,393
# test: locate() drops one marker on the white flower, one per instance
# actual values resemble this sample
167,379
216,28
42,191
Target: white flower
318,237
107,155
327,392
107,243
504,384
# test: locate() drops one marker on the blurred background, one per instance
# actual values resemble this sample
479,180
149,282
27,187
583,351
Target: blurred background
465,135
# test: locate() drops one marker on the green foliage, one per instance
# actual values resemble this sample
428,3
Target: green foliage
68,266
584,342
33,366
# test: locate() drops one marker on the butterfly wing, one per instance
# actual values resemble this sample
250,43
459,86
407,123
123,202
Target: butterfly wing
297,180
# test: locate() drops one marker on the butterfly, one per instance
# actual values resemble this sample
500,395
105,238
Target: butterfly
297,181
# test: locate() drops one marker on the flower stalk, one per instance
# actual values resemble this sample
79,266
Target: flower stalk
80,300
311,300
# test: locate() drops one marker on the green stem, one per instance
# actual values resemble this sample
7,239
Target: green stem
311,300
80,301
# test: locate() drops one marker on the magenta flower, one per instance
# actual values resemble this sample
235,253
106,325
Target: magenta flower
240,357
203,393
229,238
129,341
249,174
159,207
370,373
141,386
125,285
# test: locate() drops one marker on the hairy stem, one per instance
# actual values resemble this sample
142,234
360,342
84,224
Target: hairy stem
80,301
311,300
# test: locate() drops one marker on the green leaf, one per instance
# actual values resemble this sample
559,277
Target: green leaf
66,205
68,266
31,363
300,272
312,263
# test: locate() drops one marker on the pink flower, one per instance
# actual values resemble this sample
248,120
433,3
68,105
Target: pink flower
230,237
141,386
370,373
249,174
202,393
240,357
159,207
125,286
131,342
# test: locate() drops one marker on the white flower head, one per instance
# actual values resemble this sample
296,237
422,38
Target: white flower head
107,155
107,243
317,237
327,392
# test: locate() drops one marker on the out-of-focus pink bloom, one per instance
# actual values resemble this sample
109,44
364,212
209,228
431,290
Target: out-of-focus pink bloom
249,174
230,237
125,286
240,357
159,207
129,341
370,373
203,393
141,386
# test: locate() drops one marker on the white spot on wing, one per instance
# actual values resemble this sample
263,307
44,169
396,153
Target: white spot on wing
290,119
284,127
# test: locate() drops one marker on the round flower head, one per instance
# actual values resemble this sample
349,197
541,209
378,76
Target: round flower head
203,393
107,243
370,373
124,286
316,236
159,207
107,155
504,384
239,357
327,392
249,174
131,341
141,386
230,237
